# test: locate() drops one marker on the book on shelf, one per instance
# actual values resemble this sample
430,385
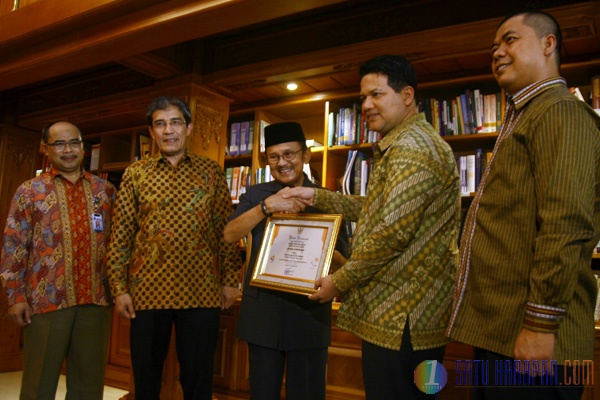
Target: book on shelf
348,172
251,137
144,146
307,171
244,136
95,157
471,168
243,180
235,184
595,93
229,177
234,139
470,165
261,134
264,174
356,174
468,113
313,143
577,93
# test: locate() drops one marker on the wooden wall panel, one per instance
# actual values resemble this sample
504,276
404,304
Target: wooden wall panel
18,155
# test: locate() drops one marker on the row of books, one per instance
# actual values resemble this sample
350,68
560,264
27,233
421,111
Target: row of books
348,126
468,113
470,168
238,180
241,138
356,174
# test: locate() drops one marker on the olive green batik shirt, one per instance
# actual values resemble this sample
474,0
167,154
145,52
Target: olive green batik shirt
404,250
166,248
527,244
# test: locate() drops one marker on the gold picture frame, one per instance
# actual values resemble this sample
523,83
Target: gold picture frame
296,251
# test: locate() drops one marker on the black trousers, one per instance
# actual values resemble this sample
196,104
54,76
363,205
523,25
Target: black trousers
389,374
511,387
305,376
196,332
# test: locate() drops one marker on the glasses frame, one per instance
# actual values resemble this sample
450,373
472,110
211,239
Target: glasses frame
61,145
287,156
175,123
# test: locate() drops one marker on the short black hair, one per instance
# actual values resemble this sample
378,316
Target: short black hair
543,24
164,102
399,71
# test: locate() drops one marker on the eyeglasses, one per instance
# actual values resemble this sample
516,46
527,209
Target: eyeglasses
287,156
161,125
61,145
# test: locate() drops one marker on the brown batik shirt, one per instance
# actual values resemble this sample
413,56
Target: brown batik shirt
167,249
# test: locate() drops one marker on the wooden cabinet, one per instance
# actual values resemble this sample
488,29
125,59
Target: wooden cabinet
107,154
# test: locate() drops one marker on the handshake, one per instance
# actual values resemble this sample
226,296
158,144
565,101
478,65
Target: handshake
289,200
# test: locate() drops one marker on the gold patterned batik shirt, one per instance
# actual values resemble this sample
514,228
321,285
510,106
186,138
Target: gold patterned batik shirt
167,249
404,250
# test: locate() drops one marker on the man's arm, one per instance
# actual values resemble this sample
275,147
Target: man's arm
387,226
124,228
276,203
124,306
20,313
15,254
565,199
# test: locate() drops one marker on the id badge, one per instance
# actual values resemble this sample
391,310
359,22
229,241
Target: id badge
97,222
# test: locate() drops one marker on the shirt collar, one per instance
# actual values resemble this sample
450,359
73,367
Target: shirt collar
84,174
526,94
399,130
160,158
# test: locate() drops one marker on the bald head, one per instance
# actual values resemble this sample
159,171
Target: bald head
60,125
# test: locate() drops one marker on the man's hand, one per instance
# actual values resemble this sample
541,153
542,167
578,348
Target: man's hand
124,306
327,290
229,296
280,203
20,313
304,194
531,345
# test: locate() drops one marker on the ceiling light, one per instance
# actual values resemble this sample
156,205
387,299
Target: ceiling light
292,86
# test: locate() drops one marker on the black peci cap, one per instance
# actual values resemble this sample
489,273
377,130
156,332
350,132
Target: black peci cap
284,132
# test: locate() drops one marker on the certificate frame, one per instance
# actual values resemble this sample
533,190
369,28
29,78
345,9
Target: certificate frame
296,250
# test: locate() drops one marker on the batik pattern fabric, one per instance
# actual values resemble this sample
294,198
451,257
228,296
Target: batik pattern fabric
404,251
52,257
167,249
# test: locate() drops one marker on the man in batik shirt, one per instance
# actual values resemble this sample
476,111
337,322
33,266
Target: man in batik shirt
53,261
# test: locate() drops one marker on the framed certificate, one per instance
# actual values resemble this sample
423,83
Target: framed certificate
296,250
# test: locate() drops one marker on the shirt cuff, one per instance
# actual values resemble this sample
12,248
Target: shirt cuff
540,318
341,280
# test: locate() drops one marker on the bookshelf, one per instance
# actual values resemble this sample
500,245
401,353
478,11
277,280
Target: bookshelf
108,154
329,161
312,113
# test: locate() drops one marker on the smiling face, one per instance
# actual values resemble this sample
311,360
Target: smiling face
67,160
287,172
383,107
520,57
170,132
